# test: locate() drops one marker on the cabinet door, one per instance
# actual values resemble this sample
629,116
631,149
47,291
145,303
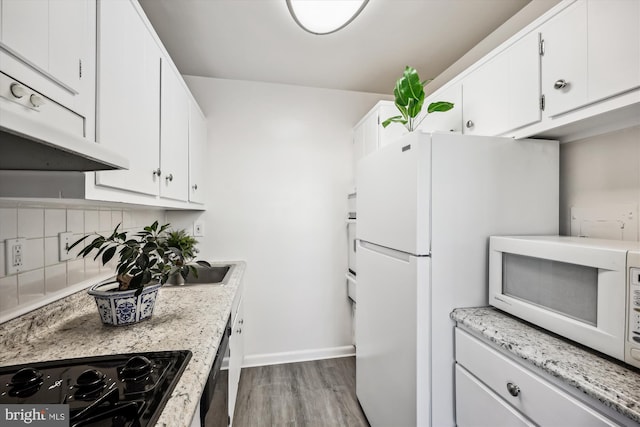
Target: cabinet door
25,30
449,121
236,356
524,82
197,153
477,406
391,132
174,136
128,101
613,46
485,98
67,43
370,133
564,63
358,145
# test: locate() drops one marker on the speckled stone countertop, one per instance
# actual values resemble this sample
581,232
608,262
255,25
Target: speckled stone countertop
609,382
189,317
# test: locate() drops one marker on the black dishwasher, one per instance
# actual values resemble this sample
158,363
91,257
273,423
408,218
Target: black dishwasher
214,403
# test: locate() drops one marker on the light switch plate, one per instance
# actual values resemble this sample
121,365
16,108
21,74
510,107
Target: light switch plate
15,255
198,229
64,241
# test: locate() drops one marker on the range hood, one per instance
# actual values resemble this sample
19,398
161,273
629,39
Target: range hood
29,145
35,134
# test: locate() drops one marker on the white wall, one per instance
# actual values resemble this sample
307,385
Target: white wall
599,171
279,170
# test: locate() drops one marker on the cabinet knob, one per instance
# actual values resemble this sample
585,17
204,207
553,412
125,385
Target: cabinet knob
470,124
239,331
157,172
513,389
169,177
17,90
560,84
36,100
241,321
194,186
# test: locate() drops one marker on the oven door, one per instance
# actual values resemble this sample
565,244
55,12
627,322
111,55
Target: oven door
214,407
574,287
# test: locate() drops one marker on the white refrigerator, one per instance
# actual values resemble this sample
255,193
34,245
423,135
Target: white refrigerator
427,204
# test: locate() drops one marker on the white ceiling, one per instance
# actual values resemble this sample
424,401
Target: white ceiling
258,40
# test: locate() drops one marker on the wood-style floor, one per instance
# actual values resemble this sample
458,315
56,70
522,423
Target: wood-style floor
319,393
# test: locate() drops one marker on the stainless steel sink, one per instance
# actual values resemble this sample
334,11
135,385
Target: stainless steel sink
214,275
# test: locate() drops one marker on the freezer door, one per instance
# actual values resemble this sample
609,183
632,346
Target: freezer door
394,195
392,322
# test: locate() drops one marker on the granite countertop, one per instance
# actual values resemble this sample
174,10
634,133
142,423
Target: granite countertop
189,317
614,384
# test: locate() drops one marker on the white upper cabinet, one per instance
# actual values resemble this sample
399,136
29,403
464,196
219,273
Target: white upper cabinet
197,153
613,47
448,121
128,97
49,45
369,135
564,62
174,136
523,99
485,97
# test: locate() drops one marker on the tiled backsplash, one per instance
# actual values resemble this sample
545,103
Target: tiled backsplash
44,275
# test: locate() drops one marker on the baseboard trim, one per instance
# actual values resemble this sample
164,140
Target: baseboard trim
298,356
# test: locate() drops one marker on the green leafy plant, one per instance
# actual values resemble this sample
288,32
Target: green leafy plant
409,99
145,258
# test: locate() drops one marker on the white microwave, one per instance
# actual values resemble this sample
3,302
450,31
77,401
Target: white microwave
587,290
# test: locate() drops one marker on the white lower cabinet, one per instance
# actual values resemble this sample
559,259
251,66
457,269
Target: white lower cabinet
236,352
488,381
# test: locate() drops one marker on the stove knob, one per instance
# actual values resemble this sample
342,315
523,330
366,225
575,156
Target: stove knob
26,377
136,368
90,378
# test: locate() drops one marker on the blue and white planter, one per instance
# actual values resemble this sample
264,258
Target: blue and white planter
120,308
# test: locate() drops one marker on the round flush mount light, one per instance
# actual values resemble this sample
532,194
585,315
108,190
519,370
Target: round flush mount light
325,16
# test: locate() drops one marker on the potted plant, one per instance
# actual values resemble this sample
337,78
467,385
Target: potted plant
409,98
186,245
145,262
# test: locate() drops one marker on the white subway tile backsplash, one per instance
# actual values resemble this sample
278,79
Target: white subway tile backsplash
55,278
105,221
116,219
43,271
3,272
31,223
8,223
9,292
75,271
30,286
75,221
33,254
51,251
91,221
55,221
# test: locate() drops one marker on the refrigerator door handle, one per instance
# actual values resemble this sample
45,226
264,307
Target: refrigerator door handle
393,253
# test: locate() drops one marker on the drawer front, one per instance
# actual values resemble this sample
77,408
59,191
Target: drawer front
539,400
476,405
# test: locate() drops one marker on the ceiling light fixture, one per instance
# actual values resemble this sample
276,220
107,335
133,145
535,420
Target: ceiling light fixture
325,16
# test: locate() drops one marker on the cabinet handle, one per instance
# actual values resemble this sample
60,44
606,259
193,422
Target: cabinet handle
194,186
17,90
513,389
560,84
241,322
157,172
239,331
470,124
169,177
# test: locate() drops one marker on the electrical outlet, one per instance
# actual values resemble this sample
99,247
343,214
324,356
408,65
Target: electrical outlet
14,255
198,229
64,241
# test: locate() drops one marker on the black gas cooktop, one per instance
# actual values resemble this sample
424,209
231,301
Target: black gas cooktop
125,390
